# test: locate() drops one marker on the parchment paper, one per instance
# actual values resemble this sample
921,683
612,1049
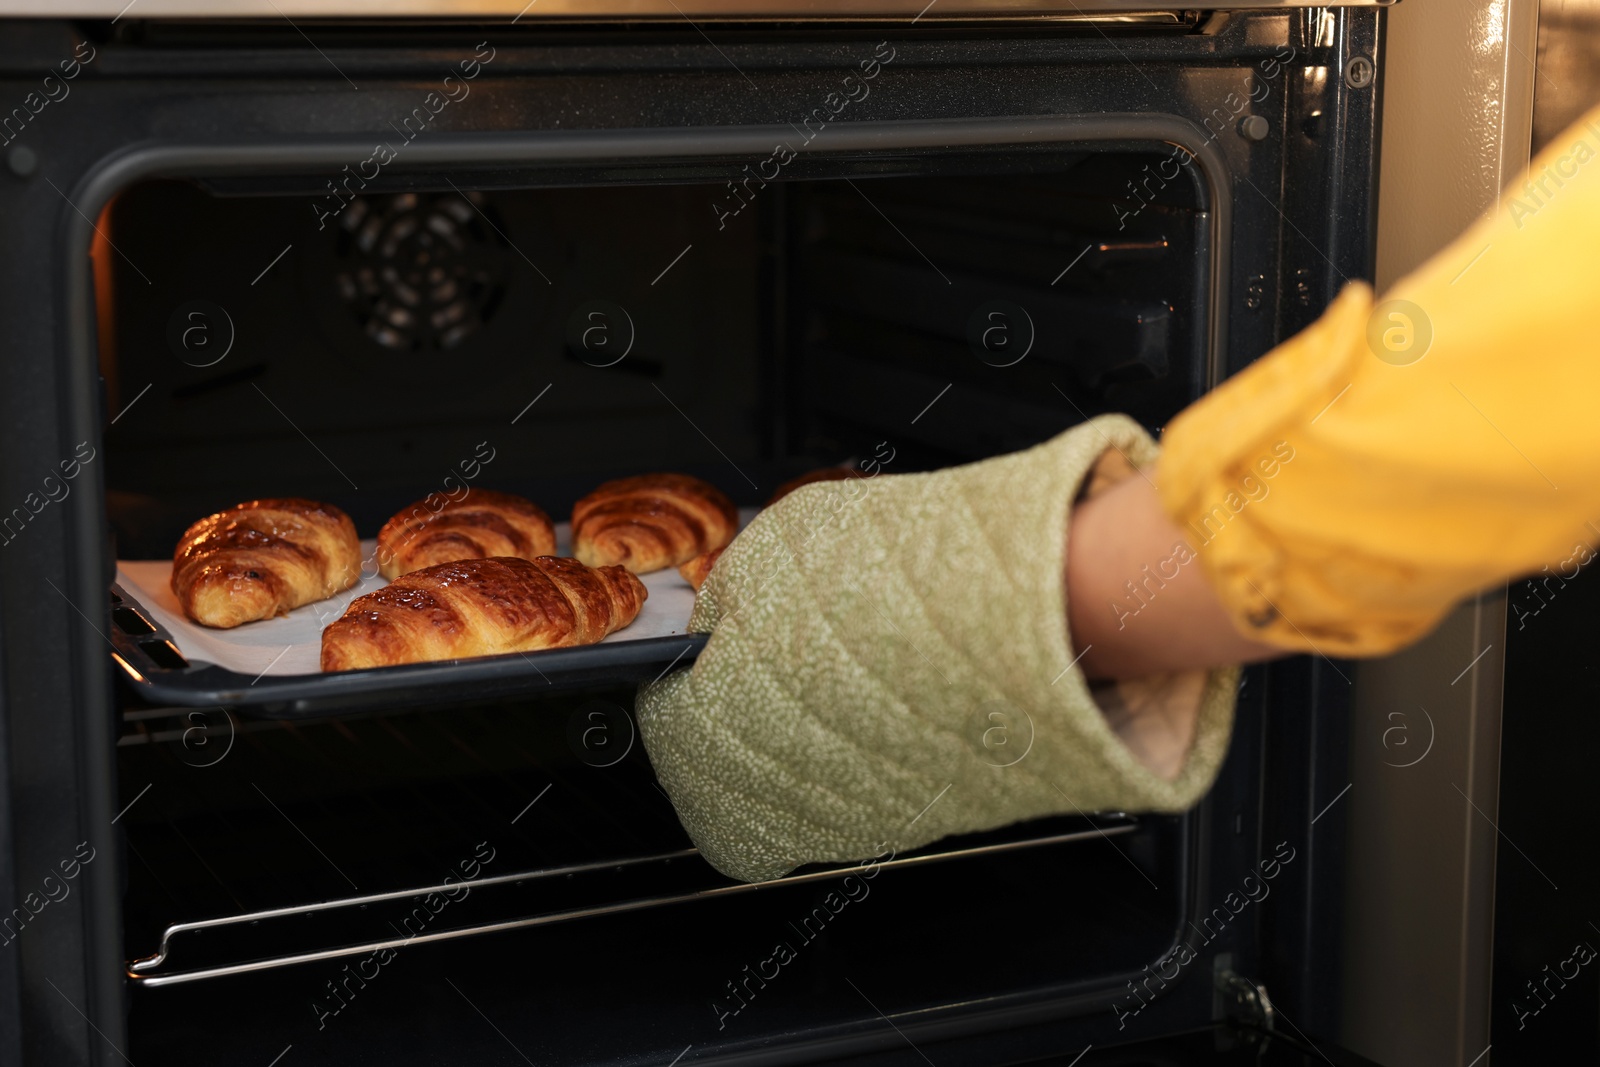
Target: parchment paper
292,644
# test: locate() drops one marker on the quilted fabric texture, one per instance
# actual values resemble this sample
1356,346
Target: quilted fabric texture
889,663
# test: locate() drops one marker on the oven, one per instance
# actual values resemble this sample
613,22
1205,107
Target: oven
306,253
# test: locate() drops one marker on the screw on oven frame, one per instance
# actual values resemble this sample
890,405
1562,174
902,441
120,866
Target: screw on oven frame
22,161
1360,72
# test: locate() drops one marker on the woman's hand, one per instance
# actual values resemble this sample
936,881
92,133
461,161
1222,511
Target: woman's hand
890,662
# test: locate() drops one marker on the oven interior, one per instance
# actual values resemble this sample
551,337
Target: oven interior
930,307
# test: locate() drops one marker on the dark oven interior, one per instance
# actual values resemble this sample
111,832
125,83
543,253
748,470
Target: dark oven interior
924,309
818,324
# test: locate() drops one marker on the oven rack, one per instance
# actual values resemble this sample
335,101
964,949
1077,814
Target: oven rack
260,844
679,874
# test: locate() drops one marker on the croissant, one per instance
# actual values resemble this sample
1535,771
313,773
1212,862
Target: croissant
481,524
651,521
263,558
482,607
821,474
696,570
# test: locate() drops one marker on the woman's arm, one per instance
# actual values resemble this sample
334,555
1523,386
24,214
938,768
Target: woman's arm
1127,619
1142,614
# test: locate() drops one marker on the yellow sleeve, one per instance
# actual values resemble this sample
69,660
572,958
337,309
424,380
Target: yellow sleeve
1345,491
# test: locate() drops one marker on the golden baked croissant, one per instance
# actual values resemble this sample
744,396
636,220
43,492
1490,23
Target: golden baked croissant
263,558
481,524
695,571
821,474
651,521
482,607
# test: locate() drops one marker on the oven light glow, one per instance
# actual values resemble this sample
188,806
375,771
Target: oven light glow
128,667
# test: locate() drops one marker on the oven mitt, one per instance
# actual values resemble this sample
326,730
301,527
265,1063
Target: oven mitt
889,663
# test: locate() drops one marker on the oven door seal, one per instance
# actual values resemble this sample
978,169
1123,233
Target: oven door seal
629,662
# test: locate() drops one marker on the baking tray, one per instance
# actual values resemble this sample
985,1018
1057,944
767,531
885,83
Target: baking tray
170,660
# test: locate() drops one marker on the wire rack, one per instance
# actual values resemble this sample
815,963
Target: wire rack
258,844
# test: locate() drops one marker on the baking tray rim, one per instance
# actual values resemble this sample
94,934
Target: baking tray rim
300,695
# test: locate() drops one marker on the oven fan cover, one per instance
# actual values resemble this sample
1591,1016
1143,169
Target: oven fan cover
419,272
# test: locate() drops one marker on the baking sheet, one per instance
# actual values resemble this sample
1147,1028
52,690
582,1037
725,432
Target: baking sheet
292,644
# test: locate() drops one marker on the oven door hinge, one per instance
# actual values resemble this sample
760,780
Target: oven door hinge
1242,1000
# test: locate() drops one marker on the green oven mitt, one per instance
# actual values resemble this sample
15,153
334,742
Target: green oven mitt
889,663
